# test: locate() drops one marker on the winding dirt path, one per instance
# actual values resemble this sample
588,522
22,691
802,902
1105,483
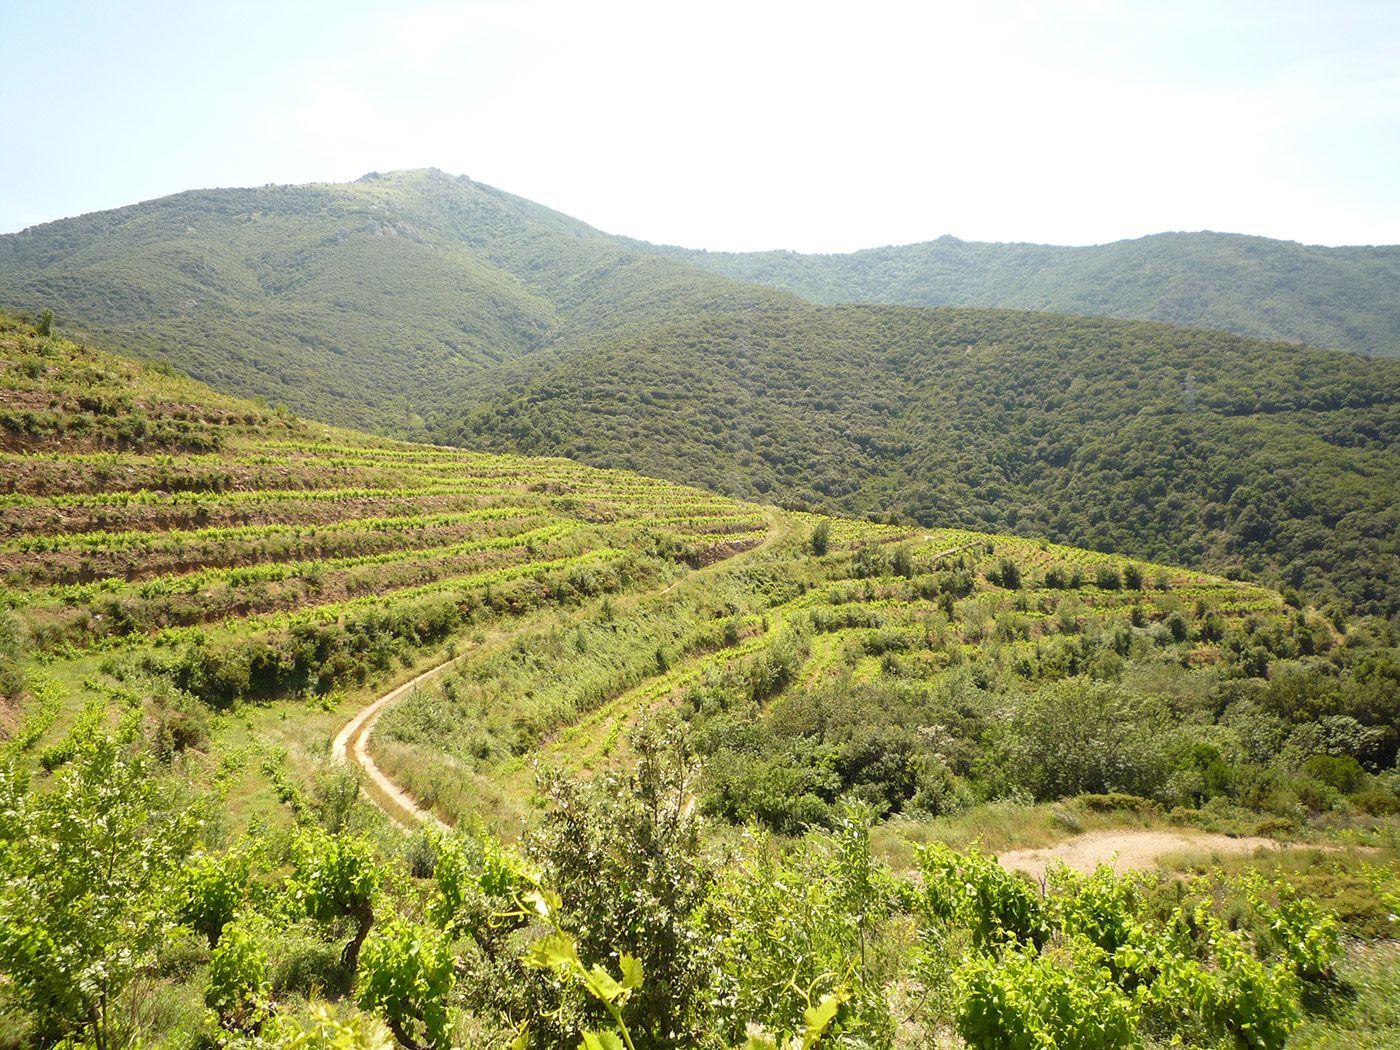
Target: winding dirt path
351,744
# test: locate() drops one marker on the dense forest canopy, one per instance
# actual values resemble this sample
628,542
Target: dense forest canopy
1176,444
1338,298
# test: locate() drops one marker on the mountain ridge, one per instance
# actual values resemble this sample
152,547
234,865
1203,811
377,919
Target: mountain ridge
1258,286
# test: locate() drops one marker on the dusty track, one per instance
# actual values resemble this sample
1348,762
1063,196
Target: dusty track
1128,850
351,744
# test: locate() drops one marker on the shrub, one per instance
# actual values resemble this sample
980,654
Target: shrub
1006,574
406,974
1106,577
210,890
238,985
972,890
1024,1000
333,877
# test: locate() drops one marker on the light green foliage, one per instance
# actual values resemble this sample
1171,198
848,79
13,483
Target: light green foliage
406,974
324,1029
1099,907
972,890
239,986
1216,986
87,869
335,876
559,952
211,889
1307,937
799,928
1055,1001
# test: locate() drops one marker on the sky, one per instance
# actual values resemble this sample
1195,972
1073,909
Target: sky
734,126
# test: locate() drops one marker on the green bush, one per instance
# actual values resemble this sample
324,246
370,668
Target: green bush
238,985
406,974
1024,999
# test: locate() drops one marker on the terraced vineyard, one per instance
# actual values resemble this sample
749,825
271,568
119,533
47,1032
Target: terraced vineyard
709,737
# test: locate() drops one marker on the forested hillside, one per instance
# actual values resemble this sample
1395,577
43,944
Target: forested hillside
354,303
1339,298
1181,445
711,774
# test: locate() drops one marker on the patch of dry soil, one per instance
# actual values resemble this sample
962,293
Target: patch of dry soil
1126,850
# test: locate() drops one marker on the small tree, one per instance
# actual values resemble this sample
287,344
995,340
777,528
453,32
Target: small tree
45,325
1007,574
902,564
1132,577
334,876
87,870
821,538
1106,578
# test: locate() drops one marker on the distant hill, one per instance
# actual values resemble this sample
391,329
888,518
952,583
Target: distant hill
1337,298
353,303
1202,448
423,305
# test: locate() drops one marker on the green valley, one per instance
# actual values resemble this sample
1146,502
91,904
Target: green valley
713,772
419,305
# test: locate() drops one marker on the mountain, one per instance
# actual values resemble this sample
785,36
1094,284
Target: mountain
359,303
1339,298
423,305
354,303
1183,445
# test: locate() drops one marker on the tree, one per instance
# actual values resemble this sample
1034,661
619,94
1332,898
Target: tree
902,563
87,870
821,538
334,876
407,975
624,855
45,325
1080,736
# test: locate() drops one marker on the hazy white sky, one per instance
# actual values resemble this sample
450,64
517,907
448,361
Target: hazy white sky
812,126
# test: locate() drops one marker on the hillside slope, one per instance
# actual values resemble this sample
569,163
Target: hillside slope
353,303
199,592
1339,298
1181,445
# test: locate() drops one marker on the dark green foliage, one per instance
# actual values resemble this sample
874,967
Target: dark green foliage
1106,578
1006,574
1175,445
623,854
821,537
1341,298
